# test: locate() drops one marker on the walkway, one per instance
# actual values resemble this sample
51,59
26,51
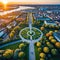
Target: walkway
31,41
31,51
11,43
31,44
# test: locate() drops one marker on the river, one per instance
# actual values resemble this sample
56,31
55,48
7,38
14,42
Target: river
14,10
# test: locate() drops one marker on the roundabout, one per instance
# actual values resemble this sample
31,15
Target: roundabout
26,35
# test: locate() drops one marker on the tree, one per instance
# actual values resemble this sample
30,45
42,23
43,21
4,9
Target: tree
46,49
17,28
49,45
13,32
54,51
42,28
39,49
11,35
8,53
22,46
38,44
56,30
4,24
47,34
51,37
42,55
57,44
21,54
53,41
50,32
42,59
46,25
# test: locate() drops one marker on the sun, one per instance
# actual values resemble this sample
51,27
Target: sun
4,1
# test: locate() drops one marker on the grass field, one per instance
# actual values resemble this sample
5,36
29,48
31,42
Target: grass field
13,47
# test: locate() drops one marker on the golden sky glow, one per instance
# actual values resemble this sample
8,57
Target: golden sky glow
4,1
36,1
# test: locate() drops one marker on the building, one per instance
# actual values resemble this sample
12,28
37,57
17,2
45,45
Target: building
2,33
40,17
57,22
57,35
11,24
50,22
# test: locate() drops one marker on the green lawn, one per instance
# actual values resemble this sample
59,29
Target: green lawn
36,36
27,53
13,47
52,58
36,53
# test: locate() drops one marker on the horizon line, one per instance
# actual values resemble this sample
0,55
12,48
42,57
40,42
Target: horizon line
47,3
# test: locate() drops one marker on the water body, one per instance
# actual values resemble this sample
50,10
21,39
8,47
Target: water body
18,9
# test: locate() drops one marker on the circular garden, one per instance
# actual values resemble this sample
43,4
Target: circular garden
25,33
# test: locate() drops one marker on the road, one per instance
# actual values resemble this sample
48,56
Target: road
11,43
31,44
31,41
31,51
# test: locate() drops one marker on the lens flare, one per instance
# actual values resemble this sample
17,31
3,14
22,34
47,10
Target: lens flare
4,1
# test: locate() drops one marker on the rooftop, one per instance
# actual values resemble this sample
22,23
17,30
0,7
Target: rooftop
50,21
57,35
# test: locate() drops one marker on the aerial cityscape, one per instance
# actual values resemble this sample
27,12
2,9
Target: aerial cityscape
29,30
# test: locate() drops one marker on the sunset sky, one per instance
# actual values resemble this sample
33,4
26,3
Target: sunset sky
36,1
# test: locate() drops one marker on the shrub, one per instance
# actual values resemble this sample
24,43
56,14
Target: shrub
51,37
54,51
42,55
8,53
38,44
42,59
57,44
22,46
42,28
46,49
53,41
21,54
39,49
